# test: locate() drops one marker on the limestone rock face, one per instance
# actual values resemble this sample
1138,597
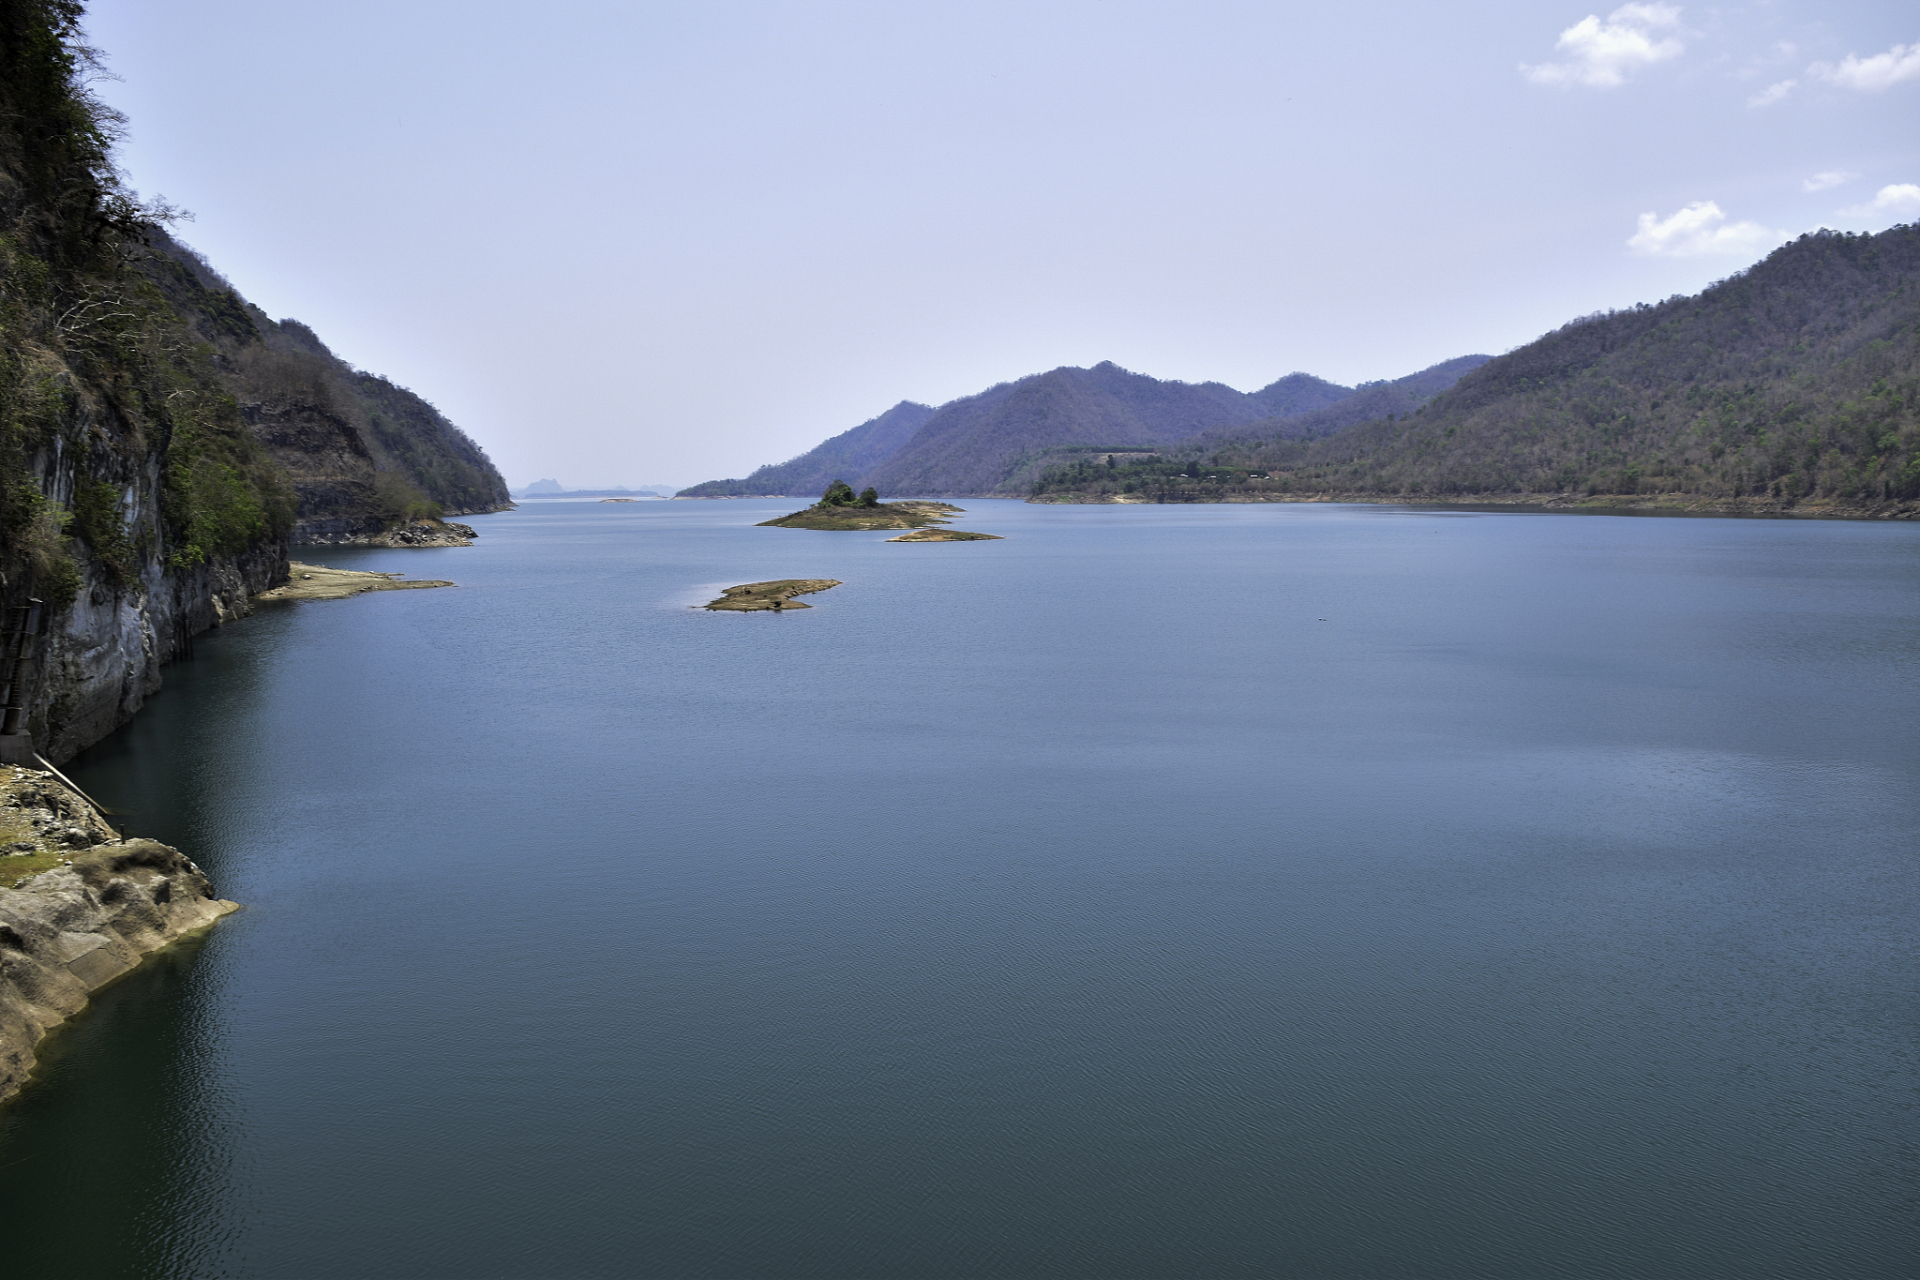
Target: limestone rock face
101,659
68,932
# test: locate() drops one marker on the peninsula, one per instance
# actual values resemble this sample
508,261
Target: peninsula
317,582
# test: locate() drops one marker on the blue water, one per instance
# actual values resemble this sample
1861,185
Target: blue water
1165,891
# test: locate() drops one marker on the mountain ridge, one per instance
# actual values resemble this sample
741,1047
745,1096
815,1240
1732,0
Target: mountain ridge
852,452
1791,385
988,442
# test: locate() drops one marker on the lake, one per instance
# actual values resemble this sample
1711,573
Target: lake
1302,891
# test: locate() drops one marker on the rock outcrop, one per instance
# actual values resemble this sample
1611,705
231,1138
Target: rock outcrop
88,908
66,933
414,533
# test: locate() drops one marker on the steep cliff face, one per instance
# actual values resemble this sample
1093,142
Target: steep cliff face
134,501
161,440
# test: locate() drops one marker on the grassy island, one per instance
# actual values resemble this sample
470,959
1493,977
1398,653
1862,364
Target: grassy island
840,508
752,597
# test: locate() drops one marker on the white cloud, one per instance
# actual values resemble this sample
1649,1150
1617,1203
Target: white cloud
1699,228
1901,199
1824,181
1772,94
1871,75
1601,54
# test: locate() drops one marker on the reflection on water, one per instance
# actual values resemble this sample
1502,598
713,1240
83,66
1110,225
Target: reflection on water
1217,891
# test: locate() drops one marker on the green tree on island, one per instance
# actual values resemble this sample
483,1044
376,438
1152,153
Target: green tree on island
840,494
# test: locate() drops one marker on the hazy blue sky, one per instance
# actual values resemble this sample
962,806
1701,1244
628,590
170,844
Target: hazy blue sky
625,243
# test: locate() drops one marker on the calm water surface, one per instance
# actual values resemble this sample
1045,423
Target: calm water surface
1219,891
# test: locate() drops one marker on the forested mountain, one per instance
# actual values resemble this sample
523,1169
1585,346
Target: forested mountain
1369,400
147,486
1295,395
1793,383
975,444
360,452
998,440
851,453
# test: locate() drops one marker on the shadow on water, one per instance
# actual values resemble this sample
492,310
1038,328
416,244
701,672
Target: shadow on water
121,1118
123,1114
162,770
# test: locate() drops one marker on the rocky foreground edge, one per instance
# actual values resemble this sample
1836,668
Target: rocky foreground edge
104,906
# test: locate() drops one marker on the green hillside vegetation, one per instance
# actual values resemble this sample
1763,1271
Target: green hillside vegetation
851,453
1369,400
1794,384
361,453
161,440
103,386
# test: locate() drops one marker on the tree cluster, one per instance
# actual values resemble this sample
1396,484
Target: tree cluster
841,494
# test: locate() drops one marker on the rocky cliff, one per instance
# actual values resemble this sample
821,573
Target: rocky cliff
161,440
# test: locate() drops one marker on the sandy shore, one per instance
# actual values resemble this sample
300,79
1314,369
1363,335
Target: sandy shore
317,582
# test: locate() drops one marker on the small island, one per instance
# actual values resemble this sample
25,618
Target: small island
945,535
840,508
752,597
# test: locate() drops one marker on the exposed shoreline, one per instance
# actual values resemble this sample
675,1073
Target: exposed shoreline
318,582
